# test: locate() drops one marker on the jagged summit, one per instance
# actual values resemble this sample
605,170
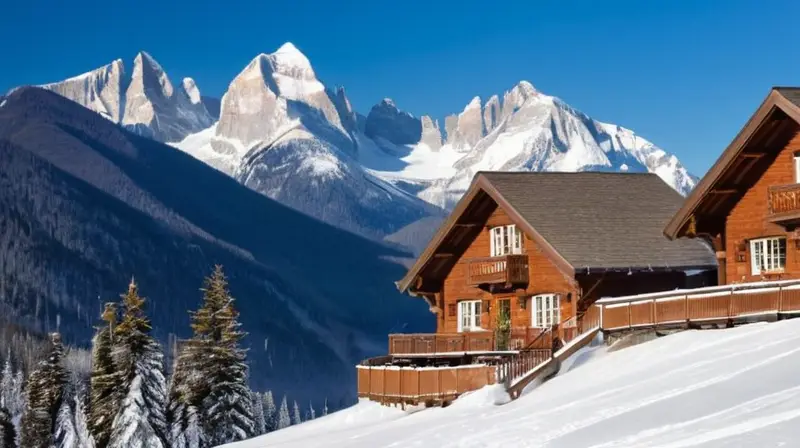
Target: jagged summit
145,100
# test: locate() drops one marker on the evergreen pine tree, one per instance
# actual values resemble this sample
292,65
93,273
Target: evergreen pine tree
105,386
270,412
6,382
325,408
45,393
8,434
283,420
258,414
218,363
312,414
140,421
12,397
296,420
185,428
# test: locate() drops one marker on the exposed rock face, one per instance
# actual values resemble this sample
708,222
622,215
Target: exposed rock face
153,105
491,113
274,94
431,134
100,90
145,101
469,127
387,122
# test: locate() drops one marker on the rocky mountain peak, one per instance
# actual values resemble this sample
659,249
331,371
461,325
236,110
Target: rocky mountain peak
386,121
191,90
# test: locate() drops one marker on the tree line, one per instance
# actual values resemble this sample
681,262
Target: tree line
129,401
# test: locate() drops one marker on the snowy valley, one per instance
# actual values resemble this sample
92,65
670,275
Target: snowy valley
284,133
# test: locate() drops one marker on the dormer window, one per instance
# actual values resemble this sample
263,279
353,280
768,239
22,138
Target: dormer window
505,240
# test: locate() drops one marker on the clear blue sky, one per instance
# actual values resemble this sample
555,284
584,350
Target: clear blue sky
684,74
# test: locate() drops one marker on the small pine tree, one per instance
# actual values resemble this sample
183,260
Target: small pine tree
296,420
258,414
45,393
283,421
8,434
104,390
6,382
140,421
325,408
270,412
312,414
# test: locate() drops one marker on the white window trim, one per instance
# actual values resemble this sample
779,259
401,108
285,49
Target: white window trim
769,251
476,317
551,315
497,240
797,168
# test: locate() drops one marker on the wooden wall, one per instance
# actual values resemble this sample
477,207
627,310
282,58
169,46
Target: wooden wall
748,219
544,278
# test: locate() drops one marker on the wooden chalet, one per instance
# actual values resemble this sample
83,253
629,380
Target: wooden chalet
748,204
514,270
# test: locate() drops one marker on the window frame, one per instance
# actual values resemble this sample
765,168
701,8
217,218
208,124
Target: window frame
546,314
505,237
767,255
797,167
475,308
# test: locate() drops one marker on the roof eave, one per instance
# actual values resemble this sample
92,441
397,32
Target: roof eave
774,99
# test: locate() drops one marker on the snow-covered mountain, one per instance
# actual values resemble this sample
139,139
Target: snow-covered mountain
145,102
284,133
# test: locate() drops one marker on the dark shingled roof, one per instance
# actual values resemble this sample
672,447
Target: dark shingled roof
603,220
790,93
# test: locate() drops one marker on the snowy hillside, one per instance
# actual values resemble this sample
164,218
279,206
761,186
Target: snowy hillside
714,388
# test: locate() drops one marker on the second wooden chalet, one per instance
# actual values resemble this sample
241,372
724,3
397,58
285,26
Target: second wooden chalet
530,251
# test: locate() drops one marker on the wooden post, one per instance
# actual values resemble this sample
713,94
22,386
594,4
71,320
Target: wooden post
780,298
630,326
653,313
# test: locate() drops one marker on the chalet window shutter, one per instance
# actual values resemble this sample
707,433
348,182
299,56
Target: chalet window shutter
451,310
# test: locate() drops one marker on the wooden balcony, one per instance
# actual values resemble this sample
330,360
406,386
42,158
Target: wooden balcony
507,269
784,203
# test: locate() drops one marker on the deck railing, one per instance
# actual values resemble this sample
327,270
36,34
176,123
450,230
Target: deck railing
511,269
701,306
784,199
471,341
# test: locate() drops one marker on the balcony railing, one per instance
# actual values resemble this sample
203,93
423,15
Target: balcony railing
507,269
784,202
473,341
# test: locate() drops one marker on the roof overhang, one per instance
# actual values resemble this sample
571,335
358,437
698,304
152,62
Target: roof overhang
717,192
414,280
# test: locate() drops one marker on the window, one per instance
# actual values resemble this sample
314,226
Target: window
469,315
505,240
797,168
545,310
767,255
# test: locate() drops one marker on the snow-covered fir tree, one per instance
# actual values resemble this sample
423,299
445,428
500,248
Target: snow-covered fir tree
45,391
12,397
211,373
84,438
140,420
8,433
311,414
185,429
296,420
258,413
105,386
325,408
65,434
270,412
283,420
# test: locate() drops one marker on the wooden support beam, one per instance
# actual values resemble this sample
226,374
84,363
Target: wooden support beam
752,155
443,255
727,191
467,225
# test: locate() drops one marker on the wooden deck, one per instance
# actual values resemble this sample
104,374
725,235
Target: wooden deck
467,342
723,305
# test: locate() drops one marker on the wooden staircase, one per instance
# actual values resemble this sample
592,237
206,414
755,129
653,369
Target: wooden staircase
532,364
